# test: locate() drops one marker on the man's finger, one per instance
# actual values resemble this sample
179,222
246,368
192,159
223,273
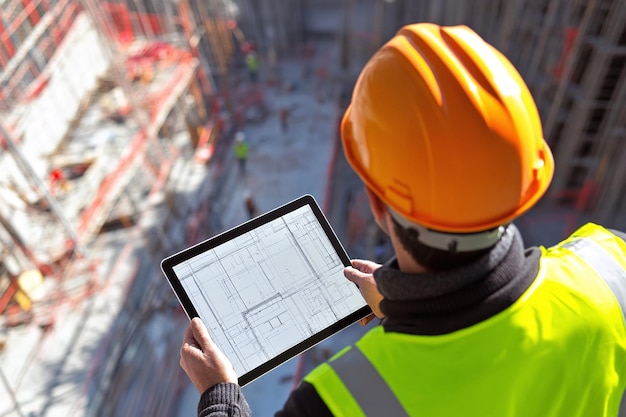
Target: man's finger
362,265
359,264
200,333
351,274
188,339
364,321
355,275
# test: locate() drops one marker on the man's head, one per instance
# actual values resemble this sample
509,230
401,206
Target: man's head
445,134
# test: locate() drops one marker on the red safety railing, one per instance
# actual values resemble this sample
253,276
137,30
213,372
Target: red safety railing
571,33
126,23
110,181
122,28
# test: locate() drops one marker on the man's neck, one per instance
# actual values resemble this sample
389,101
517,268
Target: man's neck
406,263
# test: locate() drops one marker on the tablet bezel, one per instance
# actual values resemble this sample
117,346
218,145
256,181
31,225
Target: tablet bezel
168,264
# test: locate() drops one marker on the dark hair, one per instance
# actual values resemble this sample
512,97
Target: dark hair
432,259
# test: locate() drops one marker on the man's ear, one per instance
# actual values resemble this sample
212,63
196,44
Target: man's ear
379,209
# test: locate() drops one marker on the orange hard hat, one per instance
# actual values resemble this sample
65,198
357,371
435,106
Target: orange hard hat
444,130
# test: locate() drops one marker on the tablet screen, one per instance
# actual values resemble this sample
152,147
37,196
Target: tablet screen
270,288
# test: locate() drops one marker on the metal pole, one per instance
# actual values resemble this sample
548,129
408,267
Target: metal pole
167,20
551,119
19,260
272,33
197,42
345,38
17,240
378,24
32,175
401,14
540,48
5,381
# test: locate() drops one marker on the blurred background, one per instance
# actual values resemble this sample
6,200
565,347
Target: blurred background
117,127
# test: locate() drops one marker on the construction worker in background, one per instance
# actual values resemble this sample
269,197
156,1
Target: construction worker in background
447,139
283,115
241,149
250,204
252,61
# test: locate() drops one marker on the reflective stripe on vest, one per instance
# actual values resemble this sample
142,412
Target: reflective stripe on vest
374,396
605,266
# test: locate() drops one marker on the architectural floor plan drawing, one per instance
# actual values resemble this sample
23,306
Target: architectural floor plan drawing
266,290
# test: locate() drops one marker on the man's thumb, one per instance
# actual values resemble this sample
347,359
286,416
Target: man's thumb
200,333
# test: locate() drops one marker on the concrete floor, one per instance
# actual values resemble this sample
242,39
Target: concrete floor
283,166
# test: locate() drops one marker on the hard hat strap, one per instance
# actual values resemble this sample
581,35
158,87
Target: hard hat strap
451,242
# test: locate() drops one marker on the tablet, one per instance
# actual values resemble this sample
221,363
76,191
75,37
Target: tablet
270,288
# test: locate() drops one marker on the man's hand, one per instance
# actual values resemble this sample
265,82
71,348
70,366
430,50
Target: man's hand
361,273
201,359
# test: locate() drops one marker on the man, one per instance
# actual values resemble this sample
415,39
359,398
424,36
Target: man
446,137
250,204
284,119
252,61
241,149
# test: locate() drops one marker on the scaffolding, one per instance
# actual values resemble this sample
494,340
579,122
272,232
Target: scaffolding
100,103
107,109
582,96
92,100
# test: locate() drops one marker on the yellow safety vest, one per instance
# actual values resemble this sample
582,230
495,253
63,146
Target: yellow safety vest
252,60
558,351
241,150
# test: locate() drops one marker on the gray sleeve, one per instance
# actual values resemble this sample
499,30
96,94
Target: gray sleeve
223,400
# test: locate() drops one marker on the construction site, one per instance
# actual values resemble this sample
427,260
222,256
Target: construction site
117,121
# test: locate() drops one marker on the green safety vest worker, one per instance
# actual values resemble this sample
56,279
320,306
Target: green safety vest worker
252,60
241,149
559,350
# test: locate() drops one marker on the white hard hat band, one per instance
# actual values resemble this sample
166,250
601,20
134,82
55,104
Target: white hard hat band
451,242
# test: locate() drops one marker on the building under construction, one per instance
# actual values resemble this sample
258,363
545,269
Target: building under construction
104,105
100,104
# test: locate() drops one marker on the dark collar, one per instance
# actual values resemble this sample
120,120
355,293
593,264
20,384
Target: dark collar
448,301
